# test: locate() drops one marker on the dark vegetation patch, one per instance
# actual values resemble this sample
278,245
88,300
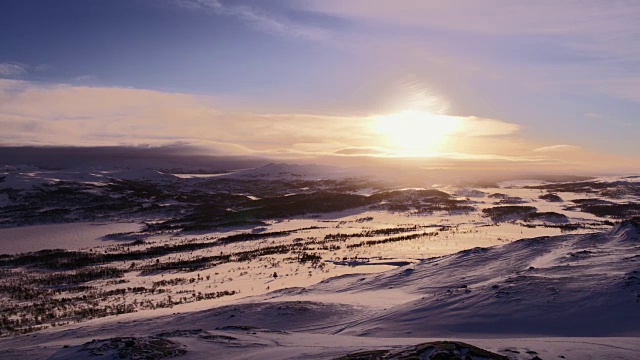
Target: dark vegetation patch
611,210
510,200
301,204
371,233
77,277
550,216
587,202
568,227
505,199
254,212
508,213
550,197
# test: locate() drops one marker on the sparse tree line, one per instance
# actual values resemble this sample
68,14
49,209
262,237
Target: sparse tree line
37,309
392,239
40,298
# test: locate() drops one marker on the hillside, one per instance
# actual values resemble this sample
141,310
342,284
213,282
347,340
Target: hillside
572,295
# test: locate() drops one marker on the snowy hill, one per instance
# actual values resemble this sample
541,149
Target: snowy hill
282,171
533,297
25,180
573,285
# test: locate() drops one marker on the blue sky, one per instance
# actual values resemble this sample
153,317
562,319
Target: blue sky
557,75
145,44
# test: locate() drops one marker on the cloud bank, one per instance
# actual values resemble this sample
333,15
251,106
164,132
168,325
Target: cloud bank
556,148
255,17
34,114
37,114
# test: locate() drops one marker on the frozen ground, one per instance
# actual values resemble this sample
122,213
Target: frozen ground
571,296
301,262
60,236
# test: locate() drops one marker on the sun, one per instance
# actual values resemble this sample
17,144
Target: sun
415,132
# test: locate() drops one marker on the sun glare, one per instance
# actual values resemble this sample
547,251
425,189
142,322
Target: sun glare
414,132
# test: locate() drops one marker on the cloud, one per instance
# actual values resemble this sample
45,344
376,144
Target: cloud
260,19
557,148
586,25
361,151
548,46
37,114
475,126
86,79
463,156
12,69
607,29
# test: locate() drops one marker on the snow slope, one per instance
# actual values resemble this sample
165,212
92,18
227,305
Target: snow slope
575,296
573,285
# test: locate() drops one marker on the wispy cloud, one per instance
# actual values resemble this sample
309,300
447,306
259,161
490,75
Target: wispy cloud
256,17
588,25
583,46
362,151
475,126
86,79
12,69
557,148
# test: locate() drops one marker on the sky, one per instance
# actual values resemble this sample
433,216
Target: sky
544,84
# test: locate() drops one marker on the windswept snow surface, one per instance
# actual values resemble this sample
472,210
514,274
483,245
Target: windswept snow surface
569,296
60,236
305,261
